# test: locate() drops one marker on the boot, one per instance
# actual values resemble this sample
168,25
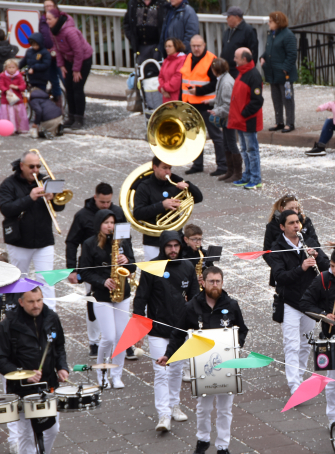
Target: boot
237,165
69,122
78,122
319,149
60,130
230,167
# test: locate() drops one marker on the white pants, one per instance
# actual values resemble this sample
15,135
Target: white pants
296,347
112,324
167,381
150,252
13,435
330,396
224,405
43,259
26,436
93,329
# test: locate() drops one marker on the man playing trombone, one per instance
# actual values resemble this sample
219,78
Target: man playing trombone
27,227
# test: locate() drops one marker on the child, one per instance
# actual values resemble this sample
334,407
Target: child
12,81
48,117
193,238
38,60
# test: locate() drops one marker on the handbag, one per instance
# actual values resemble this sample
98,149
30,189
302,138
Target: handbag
11,97
277,309
134,100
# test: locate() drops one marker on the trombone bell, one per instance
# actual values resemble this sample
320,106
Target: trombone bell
63,197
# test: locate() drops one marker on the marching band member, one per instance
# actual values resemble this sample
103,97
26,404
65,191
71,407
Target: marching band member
164,298
154,196
293,274
209,308
319,298
193,238
97,252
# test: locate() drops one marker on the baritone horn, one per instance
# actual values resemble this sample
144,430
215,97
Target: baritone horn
176,135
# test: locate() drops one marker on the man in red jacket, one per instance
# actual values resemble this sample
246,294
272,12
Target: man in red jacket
245,115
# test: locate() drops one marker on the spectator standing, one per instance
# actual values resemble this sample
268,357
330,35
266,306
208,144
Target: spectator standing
238,34
181,22
7,50
38,61
170,76
74,57
246,116
143,26
327,132
279,65
48,120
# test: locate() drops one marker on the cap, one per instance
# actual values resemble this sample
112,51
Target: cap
234,11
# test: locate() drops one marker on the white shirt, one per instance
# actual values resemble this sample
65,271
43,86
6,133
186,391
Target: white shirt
289,242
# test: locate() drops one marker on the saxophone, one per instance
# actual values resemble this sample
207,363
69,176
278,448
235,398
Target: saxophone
198,266
119,274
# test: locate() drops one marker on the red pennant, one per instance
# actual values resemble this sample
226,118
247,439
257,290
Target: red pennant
136,329
251,255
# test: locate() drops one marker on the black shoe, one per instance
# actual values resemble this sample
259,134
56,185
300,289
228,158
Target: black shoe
289,129
193,170
69,121
93,351
44,134
319,149
218,172
60,130
130,354
202,447
278,127
222,451
78,122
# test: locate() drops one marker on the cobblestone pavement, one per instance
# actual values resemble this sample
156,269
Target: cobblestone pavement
231,217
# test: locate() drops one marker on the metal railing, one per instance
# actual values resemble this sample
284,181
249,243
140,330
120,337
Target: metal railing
102,28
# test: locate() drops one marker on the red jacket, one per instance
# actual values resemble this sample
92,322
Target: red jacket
245,113
6,81
170,76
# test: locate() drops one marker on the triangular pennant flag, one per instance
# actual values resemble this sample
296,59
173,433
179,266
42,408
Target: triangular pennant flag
53,276
136,329
20,286
195,346
155,267
307,390
251,255
73,298
252,361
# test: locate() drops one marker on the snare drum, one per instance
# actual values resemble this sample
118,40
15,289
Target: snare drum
207,380
324,354
70,398
9,408
39,406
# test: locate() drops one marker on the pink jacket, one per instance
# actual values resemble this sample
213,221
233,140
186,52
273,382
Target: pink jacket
329,106
170,76
6,81
70,45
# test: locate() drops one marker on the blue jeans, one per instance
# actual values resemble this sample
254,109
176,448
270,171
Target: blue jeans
251,158
54,74
327,131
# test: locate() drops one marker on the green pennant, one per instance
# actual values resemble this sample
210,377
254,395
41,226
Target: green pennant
53,276
252,361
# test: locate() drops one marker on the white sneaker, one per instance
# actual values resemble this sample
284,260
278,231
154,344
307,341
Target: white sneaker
14,448
178,415
186,375
117,383
33,133
331,421
164,424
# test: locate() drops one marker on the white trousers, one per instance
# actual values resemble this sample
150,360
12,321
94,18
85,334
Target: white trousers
112,324
43,259
224,405
296,347
150,252
167,381
330,396
13,435
26,436
93,329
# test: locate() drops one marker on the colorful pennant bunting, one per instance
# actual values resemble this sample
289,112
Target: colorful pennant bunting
251,255
251,362
53,276
136,329
20,286
195,346
155,267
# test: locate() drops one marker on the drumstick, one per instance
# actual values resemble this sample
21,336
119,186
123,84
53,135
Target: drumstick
44,355
330,326
71,382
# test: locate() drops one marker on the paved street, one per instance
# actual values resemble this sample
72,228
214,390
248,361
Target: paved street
231,217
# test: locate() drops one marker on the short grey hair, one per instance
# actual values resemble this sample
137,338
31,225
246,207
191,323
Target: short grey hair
26,153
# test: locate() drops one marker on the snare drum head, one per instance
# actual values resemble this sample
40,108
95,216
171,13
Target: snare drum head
6,398
73,390
38,398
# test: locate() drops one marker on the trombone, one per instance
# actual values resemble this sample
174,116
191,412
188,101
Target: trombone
48,205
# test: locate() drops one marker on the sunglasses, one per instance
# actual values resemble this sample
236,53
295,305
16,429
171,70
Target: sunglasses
32,166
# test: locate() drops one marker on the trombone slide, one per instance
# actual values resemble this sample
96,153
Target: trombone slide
48,205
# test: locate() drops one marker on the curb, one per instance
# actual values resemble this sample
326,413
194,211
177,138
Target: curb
292,139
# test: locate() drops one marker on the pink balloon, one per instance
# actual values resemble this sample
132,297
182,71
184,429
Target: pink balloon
6,128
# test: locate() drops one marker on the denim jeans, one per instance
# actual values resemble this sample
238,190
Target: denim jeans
327,131
251,158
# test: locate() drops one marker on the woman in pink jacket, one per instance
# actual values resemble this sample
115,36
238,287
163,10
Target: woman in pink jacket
74,57
169,75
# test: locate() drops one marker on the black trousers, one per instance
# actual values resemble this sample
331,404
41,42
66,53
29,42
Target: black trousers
279,102
75,90
216,135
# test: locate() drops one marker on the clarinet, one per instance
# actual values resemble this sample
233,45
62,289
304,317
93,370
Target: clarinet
304,246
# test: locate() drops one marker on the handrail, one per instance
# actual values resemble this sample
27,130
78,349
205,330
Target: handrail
312,24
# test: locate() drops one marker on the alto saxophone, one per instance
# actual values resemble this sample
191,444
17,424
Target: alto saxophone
198,266
119,274
305,248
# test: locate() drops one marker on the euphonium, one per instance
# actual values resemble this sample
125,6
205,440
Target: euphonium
198,266
119,274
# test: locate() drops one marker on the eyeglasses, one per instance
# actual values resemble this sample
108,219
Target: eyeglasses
32,166
195,240
214,282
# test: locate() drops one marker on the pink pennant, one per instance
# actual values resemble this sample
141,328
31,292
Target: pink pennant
307,390
136,329
251,255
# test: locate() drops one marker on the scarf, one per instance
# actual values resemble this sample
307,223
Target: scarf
56,28
11,76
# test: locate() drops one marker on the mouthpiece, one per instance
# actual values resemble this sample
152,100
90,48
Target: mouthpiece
299,235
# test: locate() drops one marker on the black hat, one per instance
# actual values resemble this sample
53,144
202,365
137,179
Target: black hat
234,11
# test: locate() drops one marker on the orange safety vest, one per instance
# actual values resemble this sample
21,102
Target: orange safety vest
197,76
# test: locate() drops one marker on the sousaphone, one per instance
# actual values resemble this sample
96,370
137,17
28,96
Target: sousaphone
176,135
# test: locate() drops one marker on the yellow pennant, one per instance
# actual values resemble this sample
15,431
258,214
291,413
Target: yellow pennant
155,267
195,346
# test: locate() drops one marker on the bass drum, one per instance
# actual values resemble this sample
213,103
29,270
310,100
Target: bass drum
9,408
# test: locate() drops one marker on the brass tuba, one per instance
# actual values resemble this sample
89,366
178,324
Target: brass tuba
176,135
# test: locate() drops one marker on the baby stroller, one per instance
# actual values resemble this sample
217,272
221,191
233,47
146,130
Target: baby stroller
148,85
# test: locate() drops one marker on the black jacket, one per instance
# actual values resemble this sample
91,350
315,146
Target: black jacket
6,51
20,347
149,197
39,60
165,297
197,310
189,253
36,223
82,229
291,280
93,255
44,108
244,35
319,298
